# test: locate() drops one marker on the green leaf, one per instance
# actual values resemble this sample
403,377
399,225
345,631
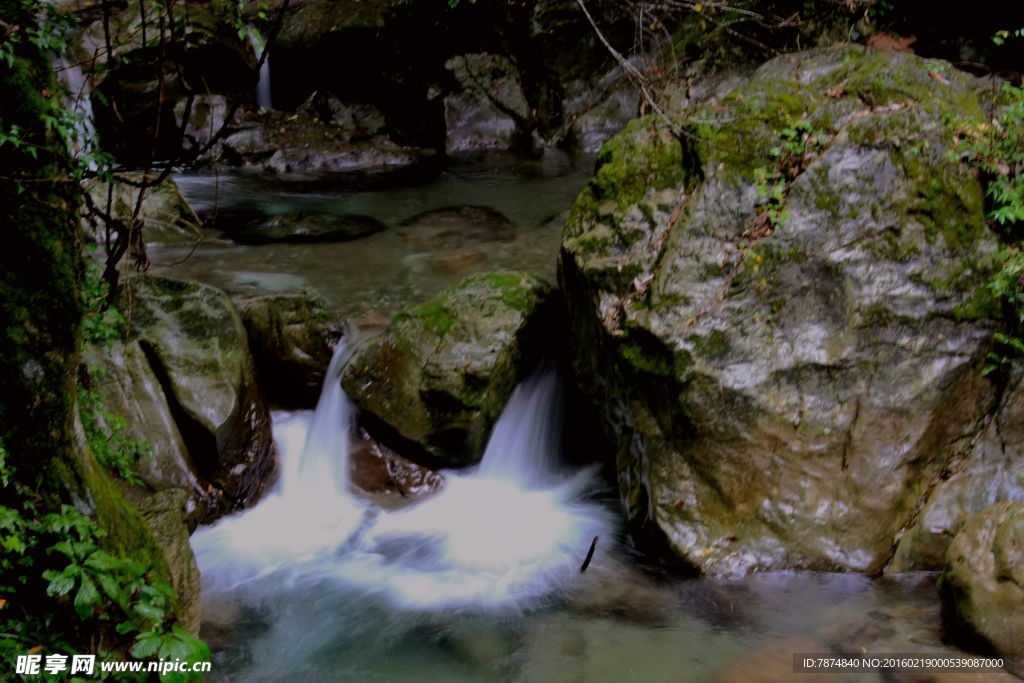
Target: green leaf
87,597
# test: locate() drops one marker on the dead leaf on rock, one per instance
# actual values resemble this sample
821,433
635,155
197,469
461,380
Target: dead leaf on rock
887,42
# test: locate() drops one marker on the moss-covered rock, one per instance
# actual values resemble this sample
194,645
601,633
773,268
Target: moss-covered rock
785,379
196,345
982,585
441,372
291,336
166,512
129,388
166,216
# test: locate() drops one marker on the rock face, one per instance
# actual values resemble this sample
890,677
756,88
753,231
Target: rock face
130,388
167,217
165,513
982,585
489,110
780,314
292,336
195,343
441,372
991,472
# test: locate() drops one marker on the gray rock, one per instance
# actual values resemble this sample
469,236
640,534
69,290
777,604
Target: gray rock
292,336
442,371
196,345
784,391
489,112
165,514
991,472
130,389
982,585
166,215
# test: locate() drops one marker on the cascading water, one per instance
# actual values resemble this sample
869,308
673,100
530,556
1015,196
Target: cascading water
325,572
79,101
259,43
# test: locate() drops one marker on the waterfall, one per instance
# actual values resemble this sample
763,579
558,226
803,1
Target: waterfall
504,535
321,470
79,101
526,442
259,44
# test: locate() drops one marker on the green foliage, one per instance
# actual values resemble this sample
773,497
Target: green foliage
996,150
798,144
104,432
63,593
101,323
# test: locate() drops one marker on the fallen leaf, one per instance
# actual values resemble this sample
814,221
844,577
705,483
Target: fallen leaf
886,42
837,91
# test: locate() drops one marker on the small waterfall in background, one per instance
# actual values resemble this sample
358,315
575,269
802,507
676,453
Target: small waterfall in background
259,43
79,100
504,537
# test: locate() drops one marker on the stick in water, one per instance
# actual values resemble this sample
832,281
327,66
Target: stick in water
590,555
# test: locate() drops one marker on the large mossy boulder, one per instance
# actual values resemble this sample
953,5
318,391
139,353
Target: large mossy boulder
166,514
780,311
982,585
292,336
196,345
438,377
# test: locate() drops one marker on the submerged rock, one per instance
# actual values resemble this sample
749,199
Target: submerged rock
784,380
982,585
453,227
292,336
196,345
441,372
300,227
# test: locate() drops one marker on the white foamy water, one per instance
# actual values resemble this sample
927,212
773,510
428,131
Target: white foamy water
507,535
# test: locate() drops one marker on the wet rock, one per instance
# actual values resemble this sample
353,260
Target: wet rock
440,374
454,227
130,389
292,337
489,110
356,119
300,144
165,513
456,261
195,343
166,216
298,227
386,477
784,391
991,472
213,59
982,585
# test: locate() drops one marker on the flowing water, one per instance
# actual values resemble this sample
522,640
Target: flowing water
378,274
482,580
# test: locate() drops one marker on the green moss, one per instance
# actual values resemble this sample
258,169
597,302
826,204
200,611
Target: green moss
647,354
715,344
435,315
644,156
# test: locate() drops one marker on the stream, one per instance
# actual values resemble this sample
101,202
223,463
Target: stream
482,580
